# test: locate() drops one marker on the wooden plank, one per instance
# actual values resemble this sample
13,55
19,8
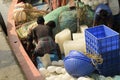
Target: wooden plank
26,64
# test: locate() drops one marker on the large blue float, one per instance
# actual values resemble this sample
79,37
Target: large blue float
77,64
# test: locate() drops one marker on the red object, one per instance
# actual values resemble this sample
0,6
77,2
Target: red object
56,3
30,71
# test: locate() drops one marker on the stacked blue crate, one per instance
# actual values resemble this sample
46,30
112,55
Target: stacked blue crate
104,41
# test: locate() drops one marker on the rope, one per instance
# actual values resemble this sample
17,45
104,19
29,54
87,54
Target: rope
96,59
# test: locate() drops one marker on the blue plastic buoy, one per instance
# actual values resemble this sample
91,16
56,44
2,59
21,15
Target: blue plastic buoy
77,64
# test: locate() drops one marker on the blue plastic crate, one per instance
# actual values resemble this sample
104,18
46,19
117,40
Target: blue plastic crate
109,70
101,39
111,54
109,64
104,41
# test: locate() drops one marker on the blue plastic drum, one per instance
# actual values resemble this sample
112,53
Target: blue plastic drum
77,64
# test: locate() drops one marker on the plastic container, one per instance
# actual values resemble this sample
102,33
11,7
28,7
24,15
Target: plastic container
39,63
78,45
54,56
46,60
104,41
109,70
74,53
101,39
77,36
77,64
61,37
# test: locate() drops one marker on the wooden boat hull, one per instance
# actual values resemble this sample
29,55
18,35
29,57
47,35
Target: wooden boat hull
30,71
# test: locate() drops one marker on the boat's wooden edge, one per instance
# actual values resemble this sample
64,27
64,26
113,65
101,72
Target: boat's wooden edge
30,71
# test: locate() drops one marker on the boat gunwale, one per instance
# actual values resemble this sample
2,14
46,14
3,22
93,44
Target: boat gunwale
28,68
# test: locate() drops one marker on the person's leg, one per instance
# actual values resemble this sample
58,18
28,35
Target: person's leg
54,55
37,52
39,62
34,56
58,52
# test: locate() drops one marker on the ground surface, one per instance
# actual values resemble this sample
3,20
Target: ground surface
9,68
